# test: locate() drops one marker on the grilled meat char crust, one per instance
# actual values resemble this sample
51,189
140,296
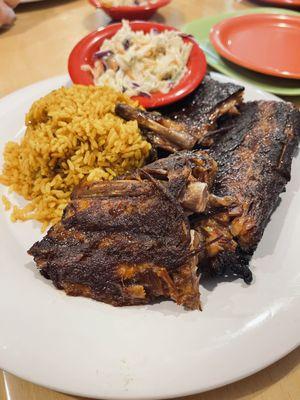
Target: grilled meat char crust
129,241
134,240
188,122
100,237
254,164
201,109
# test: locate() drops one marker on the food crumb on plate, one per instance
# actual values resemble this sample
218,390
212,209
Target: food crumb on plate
7,204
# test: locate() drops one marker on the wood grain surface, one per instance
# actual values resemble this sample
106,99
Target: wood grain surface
37,47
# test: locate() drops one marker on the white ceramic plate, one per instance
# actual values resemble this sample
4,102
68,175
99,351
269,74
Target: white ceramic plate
86,348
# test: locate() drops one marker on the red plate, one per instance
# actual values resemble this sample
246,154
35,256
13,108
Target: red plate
130,12
266,43
85,49
282,3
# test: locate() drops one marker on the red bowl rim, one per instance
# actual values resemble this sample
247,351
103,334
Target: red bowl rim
127,9
196,64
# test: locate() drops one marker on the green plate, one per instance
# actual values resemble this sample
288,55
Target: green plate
200,29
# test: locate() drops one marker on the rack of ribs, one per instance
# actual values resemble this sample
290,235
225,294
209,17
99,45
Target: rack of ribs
146,236
129,241
254,150
254,159
190,121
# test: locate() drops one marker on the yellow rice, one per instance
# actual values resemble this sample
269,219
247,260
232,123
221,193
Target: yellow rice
72,134
6,202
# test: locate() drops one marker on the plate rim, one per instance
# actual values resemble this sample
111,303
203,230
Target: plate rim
220,47
156,397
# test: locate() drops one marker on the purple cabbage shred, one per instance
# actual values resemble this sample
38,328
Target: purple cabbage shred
103,54
126,44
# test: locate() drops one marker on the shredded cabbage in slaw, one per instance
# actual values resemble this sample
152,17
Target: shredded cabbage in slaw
138,64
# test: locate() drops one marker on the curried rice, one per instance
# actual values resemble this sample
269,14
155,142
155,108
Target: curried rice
72,134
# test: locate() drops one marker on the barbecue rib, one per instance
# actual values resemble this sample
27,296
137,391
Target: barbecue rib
254,155
254,163
187,122
129,241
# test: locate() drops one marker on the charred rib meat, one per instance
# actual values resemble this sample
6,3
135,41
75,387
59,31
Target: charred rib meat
129,241
201,109
142,237
254,163
187,122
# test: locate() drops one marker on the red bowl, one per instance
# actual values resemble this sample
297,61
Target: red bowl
83,53
130,12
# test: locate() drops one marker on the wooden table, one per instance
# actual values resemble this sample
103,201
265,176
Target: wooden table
37,48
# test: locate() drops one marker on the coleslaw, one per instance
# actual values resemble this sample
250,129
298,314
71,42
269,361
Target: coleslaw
138,63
